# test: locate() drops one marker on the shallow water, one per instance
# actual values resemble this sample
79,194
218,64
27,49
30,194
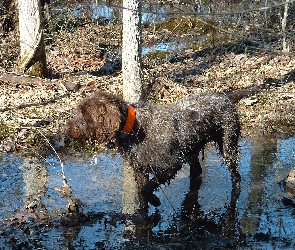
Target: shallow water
193,215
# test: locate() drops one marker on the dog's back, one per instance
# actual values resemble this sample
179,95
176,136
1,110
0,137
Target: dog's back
175,131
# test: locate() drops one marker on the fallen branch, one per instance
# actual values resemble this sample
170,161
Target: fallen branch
74,204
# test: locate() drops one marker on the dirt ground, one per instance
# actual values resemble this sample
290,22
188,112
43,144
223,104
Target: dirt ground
31,108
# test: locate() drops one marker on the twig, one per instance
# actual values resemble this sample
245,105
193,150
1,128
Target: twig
74,204
61,163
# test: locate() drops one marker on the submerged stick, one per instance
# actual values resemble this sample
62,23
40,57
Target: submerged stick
74,204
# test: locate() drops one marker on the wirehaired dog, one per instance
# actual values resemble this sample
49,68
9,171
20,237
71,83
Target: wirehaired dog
159,139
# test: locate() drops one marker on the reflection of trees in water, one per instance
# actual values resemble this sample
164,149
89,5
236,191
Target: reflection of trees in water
35,177
264,154
130,194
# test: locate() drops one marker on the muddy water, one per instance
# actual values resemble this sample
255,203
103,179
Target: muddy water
193,215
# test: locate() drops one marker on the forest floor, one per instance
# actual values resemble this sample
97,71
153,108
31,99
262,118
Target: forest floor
31,108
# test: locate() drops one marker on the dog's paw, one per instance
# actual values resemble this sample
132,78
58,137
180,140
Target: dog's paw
154,200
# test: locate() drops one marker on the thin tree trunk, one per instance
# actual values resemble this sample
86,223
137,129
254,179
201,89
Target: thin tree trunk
131,52
33,58
265,14
284,25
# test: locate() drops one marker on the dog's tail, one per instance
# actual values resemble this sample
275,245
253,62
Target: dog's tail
236,95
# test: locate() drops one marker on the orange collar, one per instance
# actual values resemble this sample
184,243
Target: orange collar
130,119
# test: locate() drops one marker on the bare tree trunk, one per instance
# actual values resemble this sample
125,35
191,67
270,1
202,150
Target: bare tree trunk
284,25
265,14
131,52
33,58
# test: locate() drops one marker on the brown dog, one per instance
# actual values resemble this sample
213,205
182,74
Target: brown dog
159,139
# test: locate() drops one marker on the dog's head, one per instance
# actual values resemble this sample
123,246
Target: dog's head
98,117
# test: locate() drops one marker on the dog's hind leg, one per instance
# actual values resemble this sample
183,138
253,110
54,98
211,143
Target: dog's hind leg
230,154
195,166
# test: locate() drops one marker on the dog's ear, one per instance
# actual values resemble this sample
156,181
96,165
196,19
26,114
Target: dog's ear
91,111
111,121
102,119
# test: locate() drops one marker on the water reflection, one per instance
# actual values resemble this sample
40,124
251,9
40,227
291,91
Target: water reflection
107,12
99,12
264,155
35,178
200,212
154,13
11,187
164,46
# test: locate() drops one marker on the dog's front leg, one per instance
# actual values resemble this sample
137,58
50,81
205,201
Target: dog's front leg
159,178
147,192
141,179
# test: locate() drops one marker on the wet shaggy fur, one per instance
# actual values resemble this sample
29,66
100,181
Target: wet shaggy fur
164,137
